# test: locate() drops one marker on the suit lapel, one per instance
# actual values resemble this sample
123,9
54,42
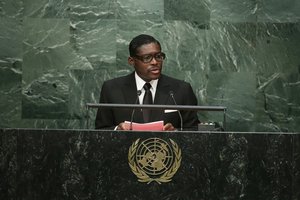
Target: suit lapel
130,95
129,89
162,91
161,97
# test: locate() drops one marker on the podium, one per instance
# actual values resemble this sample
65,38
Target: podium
99,164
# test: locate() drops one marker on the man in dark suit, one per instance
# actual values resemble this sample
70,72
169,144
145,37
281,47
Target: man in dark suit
147,58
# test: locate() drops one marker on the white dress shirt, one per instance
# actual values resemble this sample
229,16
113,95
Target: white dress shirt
140,84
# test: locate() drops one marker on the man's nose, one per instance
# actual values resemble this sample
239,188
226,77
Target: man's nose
154,61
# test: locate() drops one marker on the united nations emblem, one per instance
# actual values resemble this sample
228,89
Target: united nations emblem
154,160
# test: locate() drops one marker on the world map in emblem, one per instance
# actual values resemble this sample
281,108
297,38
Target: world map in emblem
154,159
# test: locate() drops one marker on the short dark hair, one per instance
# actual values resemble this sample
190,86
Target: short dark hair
140,40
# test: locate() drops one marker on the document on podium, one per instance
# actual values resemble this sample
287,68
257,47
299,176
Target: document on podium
151,126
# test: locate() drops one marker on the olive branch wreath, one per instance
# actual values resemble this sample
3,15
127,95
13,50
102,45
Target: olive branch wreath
142,176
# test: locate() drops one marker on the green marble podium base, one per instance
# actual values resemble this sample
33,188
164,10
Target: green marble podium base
84,164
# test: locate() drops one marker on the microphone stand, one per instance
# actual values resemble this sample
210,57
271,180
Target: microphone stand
139,92
180,116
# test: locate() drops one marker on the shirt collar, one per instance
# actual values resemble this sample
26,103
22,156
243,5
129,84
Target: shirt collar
140,83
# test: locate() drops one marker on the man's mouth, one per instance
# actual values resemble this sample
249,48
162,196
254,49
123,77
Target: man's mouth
154,70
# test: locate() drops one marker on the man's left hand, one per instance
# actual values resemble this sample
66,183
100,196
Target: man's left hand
168,127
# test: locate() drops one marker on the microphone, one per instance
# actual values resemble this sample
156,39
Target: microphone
138,93
180,116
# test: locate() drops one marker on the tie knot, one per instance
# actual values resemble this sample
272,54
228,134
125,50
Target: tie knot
147,86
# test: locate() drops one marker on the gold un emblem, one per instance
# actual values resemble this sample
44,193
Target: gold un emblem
154,160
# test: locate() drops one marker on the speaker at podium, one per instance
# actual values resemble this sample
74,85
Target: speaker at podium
202,126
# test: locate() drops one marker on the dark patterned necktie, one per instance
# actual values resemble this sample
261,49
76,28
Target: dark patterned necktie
147,100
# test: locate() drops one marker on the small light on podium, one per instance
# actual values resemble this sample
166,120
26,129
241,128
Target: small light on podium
207,126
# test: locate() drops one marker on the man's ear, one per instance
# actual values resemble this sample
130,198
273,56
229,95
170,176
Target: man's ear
131,61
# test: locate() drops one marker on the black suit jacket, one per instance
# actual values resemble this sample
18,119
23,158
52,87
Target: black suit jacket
123,90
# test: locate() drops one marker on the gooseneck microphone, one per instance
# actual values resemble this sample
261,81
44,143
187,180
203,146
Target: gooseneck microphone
138,93
180,116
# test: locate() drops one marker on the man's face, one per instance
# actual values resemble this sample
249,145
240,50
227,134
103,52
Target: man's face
148,70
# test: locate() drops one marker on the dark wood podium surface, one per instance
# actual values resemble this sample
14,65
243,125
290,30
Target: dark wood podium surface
99,164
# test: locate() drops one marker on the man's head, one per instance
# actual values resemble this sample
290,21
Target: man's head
140,40
146,57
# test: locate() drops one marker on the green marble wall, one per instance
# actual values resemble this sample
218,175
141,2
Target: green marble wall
54,56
